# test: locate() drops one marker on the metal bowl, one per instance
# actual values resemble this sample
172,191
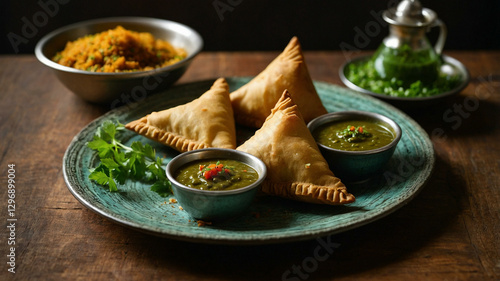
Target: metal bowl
357,166
218,204
411,102
116,88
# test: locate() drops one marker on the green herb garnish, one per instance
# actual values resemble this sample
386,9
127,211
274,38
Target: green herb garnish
119,162
353,134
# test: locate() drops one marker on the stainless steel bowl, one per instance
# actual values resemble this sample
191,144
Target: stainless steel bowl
116,88
450,66
219,204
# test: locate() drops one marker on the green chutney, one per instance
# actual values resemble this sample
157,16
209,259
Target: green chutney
404,73
216,174
407,65
354,135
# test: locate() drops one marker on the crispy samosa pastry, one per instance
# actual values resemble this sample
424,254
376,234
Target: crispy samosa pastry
296,168
252,103
204,122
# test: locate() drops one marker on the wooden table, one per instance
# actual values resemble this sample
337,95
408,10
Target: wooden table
450,231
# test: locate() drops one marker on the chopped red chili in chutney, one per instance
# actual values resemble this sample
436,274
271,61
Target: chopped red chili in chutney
355,135
212,174
215,170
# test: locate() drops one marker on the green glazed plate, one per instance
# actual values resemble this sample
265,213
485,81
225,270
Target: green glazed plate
269,219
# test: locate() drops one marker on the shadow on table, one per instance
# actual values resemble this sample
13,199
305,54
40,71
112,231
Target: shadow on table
461,115
366,248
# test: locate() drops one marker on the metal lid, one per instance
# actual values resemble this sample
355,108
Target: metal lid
409,13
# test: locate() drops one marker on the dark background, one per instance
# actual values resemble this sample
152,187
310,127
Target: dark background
246,25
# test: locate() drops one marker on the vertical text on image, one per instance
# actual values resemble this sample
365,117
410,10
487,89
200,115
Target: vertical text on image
11,219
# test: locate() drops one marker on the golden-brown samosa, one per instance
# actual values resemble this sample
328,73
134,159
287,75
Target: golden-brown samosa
296,167
252,103
204,122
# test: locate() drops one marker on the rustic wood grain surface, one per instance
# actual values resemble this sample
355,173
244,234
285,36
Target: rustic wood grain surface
450,231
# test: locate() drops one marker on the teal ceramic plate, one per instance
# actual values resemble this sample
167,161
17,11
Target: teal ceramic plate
269,219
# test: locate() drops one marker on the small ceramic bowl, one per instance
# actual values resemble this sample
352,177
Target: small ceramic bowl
119,87
215,205
357,166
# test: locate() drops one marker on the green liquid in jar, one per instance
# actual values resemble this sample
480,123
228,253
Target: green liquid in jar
407,65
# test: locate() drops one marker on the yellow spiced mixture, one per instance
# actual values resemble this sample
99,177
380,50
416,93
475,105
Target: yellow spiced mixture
119,50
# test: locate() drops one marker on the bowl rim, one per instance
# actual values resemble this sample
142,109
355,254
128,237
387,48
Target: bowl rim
346,114
198,154
145,20
463,70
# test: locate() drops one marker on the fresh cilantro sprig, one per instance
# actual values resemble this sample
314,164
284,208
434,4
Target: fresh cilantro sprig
119,162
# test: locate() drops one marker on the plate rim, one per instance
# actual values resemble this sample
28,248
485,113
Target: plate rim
251,239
